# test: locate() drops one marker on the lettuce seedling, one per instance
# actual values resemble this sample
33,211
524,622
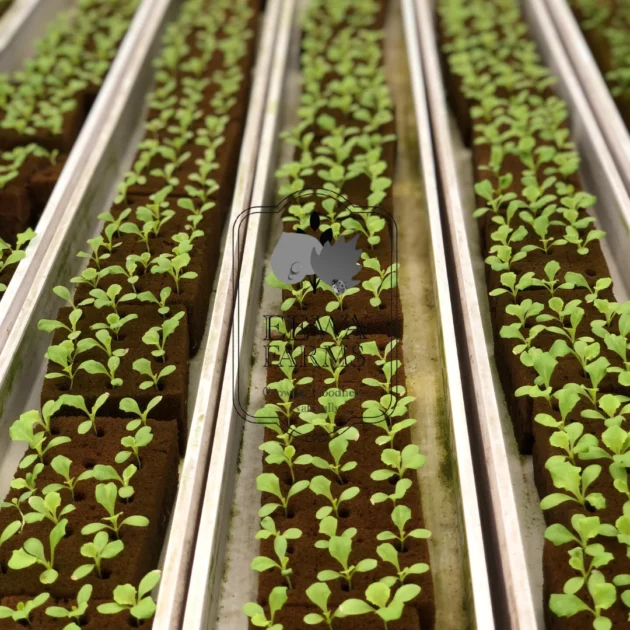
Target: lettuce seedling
262,563
25,518
334,359
61,465
617,441
64,355
114,323
389,554
142,438
571,312
328,527
495,198
381,603
338,447
78,402
298,292
619,345
370,349
277,599
391,431
130,271
572,440
401,515
337,303
111,298
386,408
109,473
326,326
14,527
340,548
44,419
513,284
574,280
609,310
33,552
75,613
268,416
514,331
154,210
144,367
389,370
372,225
286,357
13,255
402,485
22,431
50,325
544,363
112,224
573,236
96,245
138,602
101,548
22,613
129,405
279,455
165,293
603,595
587,555
175,267
575,482
269,482
400,461
158,335
106,494
103,342
331,401
386,279
596,371
49,505
319,593
92,277
28,483
142,233
268,529
614,408
63,293
567,399
321,486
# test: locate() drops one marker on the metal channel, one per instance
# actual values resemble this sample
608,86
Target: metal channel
205,581
180,545
499,500
24,22
469,507
512,519
87,184
99,159
599,169
220,515
99,149
593,85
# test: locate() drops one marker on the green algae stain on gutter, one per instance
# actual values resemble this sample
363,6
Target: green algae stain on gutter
424,353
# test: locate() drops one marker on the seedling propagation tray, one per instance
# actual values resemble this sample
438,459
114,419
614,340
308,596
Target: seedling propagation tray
23,27
513,519
103,156
221,581
609,117
23,22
